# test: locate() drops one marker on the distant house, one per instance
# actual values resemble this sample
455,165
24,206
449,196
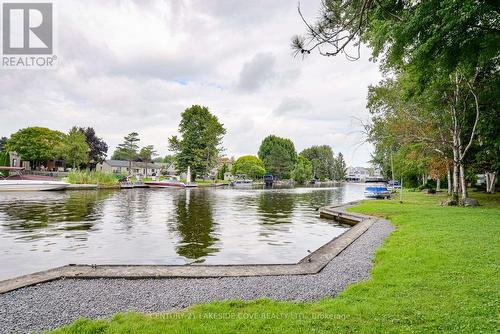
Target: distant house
49,165
221,161
123,167
357,174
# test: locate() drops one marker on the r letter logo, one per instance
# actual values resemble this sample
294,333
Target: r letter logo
27,29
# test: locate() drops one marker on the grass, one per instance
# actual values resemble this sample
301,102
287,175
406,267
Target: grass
438,272
92,177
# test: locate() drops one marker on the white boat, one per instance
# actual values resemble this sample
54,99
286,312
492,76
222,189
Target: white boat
19,182
376,188
242,183
169,183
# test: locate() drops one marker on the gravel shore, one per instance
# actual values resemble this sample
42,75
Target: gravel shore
50,305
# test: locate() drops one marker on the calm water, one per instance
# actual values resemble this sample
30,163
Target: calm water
42,230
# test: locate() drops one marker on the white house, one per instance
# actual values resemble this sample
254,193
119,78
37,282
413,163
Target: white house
123,167
357,174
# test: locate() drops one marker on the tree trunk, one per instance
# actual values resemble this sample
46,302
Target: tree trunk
449,182
490,182
438,185
463,184
456,170
487,181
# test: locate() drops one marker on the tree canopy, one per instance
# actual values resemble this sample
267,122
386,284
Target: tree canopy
146,155
128,149
35,144
339,169
250,165
200,141
303,171
322,160
73,148
98,149
279,156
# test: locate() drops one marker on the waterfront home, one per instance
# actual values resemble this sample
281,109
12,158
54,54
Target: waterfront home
53,165
357,174
124,167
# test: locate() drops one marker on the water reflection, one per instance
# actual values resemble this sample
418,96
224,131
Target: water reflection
195,225
164,226
276,207
29,213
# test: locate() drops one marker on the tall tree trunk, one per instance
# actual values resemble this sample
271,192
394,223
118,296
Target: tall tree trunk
487,181
463,184
438,184
490,182
456,177
449,180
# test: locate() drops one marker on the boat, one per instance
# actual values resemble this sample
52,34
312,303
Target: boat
168,183
376,188
242,183
20,182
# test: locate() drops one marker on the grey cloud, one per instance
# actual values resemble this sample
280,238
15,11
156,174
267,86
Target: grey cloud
293,106
257,72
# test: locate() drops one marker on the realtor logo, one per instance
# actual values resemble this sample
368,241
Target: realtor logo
27,29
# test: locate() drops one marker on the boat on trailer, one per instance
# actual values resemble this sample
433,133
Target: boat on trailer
376,188
20,182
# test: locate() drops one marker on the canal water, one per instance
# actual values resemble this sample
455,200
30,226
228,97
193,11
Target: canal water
41,230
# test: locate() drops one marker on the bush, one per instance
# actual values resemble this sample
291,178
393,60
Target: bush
4,161
92,177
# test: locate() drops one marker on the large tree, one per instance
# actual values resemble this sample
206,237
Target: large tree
146,155
200,141
98,149
128,149
339,168
279,156
249,165
35,144
73,148
322,159
303,170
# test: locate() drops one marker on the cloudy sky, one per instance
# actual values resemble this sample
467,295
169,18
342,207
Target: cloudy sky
136,65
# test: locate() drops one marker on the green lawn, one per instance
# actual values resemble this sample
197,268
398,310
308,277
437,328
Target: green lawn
438,272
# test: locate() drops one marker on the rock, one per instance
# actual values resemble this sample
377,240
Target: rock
469,202
429,191
449,202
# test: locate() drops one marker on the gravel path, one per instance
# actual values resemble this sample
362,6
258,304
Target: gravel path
50,305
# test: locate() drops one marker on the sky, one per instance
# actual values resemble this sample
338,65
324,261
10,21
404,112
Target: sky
127,66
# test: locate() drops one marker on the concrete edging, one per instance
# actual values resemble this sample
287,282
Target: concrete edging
311,264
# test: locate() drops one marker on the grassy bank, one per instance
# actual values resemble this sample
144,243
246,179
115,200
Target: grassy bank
438,272
92,177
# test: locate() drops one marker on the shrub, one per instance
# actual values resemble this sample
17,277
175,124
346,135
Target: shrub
92,177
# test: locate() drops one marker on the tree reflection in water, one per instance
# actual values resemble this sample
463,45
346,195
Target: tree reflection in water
41,214
195,225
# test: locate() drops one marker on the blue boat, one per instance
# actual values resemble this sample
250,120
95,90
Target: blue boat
376,188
